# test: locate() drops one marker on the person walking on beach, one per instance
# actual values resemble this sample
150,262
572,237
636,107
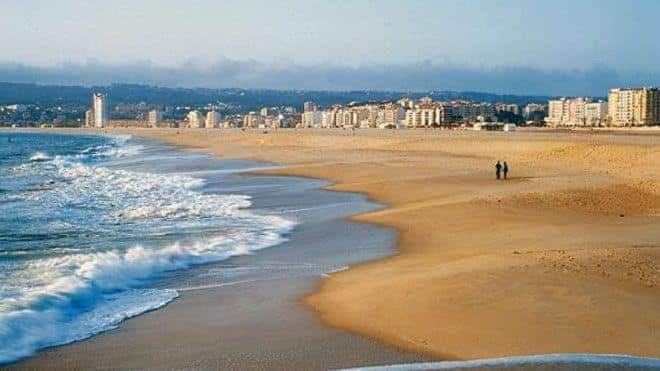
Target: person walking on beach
498,169
505,169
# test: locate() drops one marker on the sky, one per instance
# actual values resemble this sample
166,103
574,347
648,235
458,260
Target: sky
558,47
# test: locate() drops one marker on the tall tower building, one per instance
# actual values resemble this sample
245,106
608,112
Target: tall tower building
195,119
309,107
100,104
634,107
89,118
212,119
155,116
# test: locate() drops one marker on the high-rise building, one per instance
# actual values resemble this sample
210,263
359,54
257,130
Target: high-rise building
89,118
155,116
253,120
195,119
420,117
533,107
100,107
567,112
212,119
312,119
595,113
309,107
513,108
634,107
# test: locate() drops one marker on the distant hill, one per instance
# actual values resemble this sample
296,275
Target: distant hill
243,99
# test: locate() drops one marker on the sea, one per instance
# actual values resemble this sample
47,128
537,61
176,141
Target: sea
89,224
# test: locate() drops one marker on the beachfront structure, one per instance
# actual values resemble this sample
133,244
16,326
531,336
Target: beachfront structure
634,107
212,119
195,119
390,114
253,120
420,117
567,112
89,118
312,119
406,102
470,111
513,108
533,107
100,108
269,111
155,116
595,113
309,107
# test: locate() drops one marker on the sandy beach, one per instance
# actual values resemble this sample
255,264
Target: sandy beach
562,257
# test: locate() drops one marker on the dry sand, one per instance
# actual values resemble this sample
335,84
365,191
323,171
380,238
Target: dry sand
562,257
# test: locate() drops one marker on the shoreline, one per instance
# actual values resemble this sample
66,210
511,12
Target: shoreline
602,266
570,274
244,312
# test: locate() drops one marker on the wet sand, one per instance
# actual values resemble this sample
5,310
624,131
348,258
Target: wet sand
562,257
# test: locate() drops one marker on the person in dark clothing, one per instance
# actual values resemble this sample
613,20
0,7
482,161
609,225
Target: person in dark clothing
498,169
505,169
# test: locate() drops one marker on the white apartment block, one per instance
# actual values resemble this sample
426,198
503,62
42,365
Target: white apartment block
595,113
533,107
513,108
195,119
253,120
569,112
100,108
155,116
312,119
634,107
420,117
212,119
89,118
309,107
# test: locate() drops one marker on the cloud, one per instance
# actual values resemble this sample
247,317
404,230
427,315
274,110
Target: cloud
423,76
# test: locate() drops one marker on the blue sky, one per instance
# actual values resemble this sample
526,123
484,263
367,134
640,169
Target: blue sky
283,44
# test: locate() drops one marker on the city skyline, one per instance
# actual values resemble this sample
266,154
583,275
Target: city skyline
511,47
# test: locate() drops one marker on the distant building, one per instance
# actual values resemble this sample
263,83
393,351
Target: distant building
309,107
16,107
155,116
100,108
469,111
269,111
195,119
512,108
390,114
425,100
567,112
595,113
252,120
89,118
533,107
212,119
420,117
312,119
406,102
634,107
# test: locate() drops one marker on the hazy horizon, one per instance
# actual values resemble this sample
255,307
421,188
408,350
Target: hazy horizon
504,47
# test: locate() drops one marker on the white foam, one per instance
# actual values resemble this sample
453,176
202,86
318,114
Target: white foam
67,297
39,156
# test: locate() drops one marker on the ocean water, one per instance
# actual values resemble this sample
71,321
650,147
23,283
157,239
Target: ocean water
87,229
